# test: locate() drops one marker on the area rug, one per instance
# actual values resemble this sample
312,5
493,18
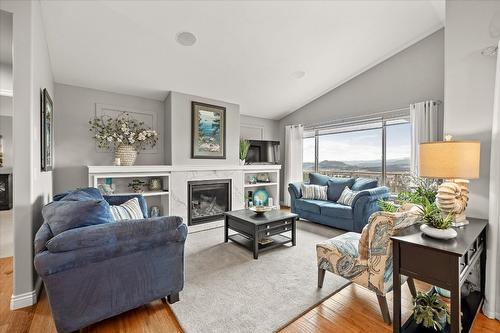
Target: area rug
226,290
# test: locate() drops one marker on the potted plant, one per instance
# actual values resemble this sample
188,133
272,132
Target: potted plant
430,311
435,224
125,134
244,146
137,185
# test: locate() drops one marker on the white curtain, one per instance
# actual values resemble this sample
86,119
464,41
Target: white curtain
492,295
426,126
293,158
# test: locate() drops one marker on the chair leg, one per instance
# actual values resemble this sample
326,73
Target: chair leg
382,302
411,285
172,298
321,277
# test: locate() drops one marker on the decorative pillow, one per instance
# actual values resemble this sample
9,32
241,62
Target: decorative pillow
316,192
129,210
364,184
336,185
65,215
318,179
347,197
88,193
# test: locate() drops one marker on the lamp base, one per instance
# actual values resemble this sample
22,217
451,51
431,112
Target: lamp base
460,220
452,198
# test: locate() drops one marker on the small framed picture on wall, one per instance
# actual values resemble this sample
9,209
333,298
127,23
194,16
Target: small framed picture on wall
208,131
47,131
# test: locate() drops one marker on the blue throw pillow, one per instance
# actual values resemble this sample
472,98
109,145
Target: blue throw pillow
65,215
318,179
364,184
336,185
89,193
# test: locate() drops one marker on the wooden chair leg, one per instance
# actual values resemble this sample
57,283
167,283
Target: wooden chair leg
321,277
172,298
411,285
382,302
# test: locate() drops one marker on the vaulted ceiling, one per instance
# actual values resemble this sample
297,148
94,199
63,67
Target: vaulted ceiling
271,57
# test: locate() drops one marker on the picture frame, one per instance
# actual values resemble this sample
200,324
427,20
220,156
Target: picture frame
208,131
47,131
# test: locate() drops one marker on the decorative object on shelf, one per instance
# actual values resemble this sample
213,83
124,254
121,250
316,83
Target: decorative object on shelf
253,179
260,210
260,197
244,146
430,311
154,211
456,161
208,132
263,178
249,199
137,185
125,133
108,187
270,202
117,161
1,151
155,184
47,131
435,225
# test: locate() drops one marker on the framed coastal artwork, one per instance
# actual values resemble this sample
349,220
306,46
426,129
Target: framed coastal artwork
208,131
47,131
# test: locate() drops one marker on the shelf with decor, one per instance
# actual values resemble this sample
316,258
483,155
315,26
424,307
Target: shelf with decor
261,185
153,182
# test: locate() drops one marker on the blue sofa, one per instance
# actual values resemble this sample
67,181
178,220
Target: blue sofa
331,213
94,268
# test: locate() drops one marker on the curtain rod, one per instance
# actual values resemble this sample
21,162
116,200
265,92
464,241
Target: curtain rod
372,116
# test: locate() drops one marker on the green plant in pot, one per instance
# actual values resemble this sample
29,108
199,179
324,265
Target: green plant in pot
244,146
434,223
430,311
387,206
420,189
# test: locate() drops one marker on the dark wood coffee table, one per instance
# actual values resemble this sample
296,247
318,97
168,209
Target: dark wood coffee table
254,230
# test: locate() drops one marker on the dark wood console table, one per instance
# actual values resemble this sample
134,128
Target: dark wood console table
443,263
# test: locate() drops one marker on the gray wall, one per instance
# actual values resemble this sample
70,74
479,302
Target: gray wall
470,79
32,188
412,75
181,130
268,127
75,148
6,133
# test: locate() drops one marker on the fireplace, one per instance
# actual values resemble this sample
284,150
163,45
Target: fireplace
208,200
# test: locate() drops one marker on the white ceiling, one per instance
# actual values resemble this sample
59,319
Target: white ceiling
247,52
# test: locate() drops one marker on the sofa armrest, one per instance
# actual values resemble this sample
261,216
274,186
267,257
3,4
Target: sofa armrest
116,200
82,246
295,190
365,203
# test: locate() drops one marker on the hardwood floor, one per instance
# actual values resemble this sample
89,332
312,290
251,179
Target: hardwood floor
353,309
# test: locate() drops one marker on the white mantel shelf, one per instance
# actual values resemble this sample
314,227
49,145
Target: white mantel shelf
98,169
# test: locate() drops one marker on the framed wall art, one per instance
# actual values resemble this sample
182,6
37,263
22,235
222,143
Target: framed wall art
47,132
208,131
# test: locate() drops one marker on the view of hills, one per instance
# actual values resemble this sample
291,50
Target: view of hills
393,165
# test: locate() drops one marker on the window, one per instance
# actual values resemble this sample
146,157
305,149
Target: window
357,150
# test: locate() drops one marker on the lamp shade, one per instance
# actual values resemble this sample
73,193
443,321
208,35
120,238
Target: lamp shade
450,159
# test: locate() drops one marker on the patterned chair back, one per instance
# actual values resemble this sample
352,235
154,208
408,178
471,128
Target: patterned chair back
380,228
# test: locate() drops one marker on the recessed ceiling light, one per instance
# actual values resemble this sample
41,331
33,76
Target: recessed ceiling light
185,38
298,74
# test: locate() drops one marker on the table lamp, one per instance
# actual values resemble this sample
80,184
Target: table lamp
456,162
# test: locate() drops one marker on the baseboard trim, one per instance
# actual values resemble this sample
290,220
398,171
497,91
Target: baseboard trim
27,299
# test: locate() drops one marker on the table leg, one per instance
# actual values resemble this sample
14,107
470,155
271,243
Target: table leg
455,299
294,232
396,323
255,245
226,229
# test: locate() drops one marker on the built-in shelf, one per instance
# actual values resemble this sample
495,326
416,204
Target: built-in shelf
146,193
261,184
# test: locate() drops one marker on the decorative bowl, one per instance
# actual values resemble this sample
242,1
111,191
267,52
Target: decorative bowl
438,233
259,210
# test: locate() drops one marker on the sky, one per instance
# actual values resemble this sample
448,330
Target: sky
361,145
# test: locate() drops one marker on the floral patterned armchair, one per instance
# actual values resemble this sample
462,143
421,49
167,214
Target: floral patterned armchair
366,258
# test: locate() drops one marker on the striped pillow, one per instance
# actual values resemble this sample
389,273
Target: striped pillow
347,197
316,192
129,210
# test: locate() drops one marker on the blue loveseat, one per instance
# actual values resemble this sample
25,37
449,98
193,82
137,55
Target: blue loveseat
331,213
94,268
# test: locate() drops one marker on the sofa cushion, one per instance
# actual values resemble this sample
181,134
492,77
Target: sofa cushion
65,215
129,210
89,193
312,206
336,185
336,210
316,192
318,179
347,197
364,184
